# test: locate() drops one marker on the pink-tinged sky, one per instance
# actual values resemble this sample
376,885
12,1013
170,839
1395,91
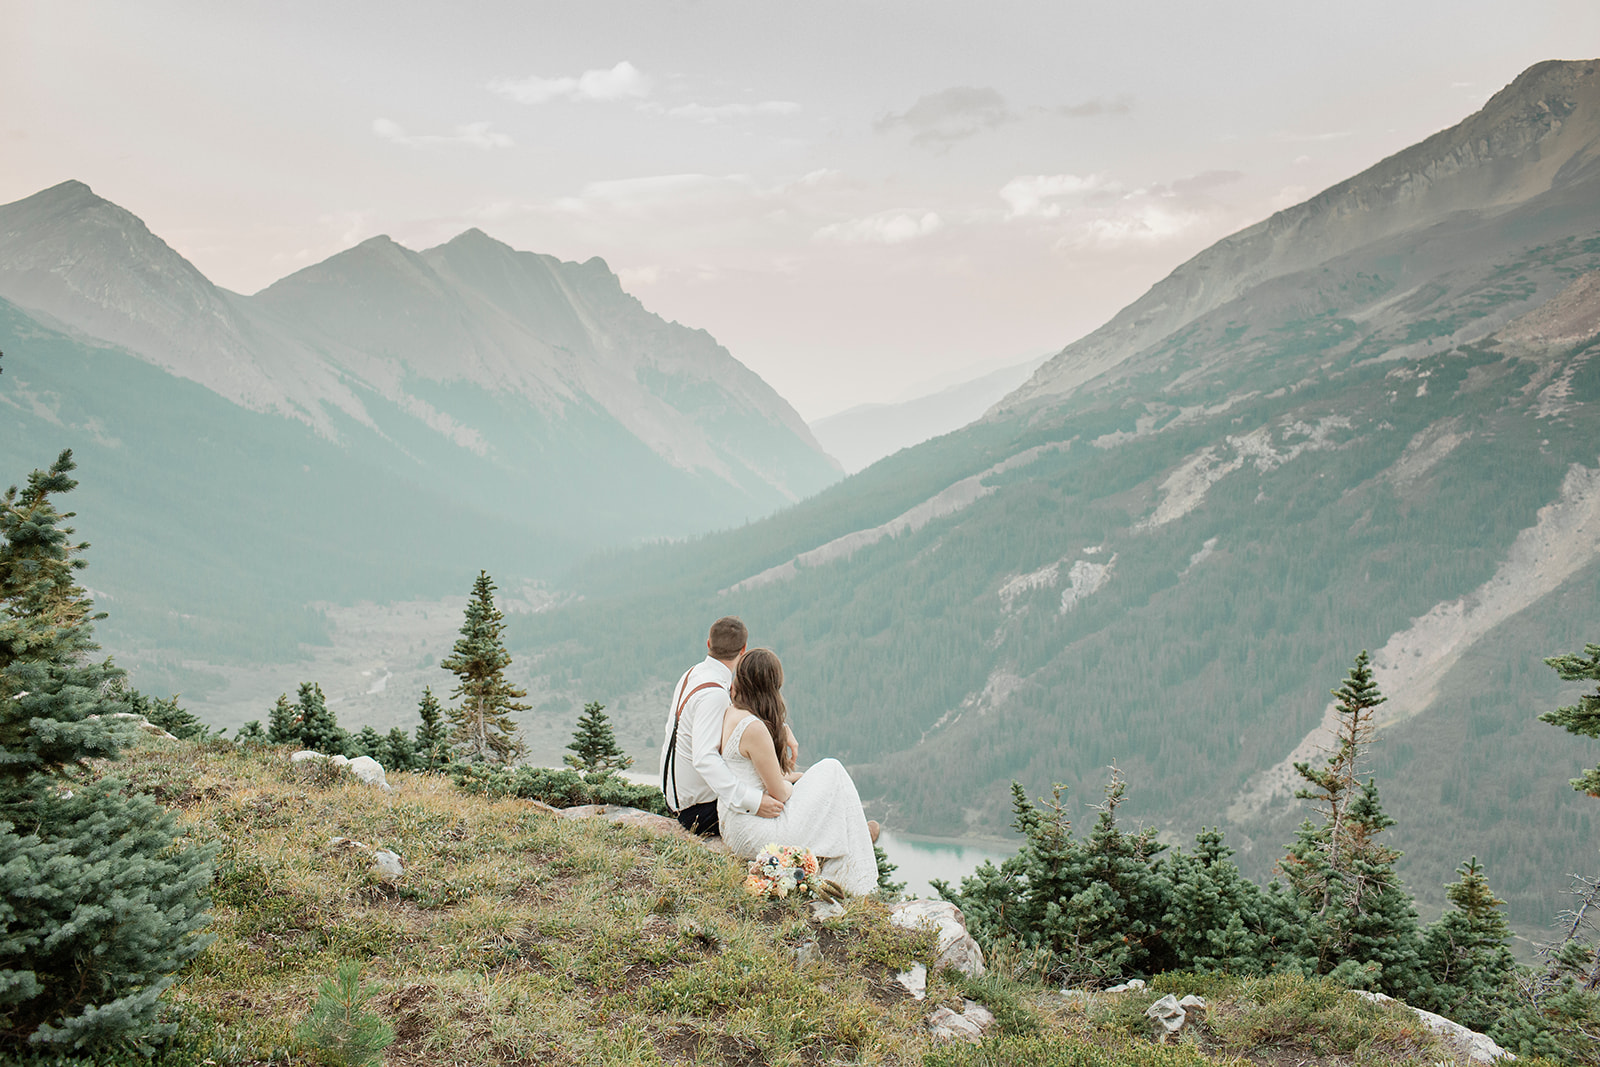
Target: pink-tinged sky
859,198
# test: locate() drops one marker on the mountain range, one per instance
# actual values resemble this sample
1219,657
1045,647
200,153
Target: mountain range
1371,421
378,425
860,436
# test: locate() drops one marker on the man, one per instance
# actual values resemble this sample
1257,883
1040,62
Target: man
696,775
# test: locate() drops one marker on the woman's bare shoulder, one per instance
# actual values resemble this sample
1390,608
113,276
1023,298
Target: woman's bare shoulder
756,739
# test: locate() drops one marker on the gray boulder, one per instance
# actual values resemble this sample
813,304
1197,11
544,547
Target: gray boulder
956,948
1469,1046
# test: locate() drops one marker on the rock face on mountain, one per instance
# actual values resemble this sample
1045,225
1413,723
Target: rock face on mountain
1535,145
1370,422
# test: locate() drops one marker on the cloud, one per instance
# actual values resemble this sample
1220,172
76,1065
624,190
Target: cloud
1137,223
672,193
1094,108
1039,194
886,228
718,112
950,115
1332,135
1203,182
473,134
619,83
1098,212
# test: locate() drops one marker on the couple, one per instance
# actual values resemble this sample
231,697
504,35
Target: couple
728,766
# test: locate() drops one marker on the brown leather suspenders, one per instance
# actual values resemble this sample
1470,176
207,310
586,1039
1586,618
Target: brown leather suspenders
670,765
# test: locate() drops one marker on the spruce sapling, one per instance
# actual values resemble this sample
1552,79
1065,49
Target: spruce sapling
283,724
594,745
433,737
340,1031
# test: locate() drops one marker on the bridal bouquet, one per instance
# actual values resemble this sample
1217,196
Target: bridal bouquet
779,870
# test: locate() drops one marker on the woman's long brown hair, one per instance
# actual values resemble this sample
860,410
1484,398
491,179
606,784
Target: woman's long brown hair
757,682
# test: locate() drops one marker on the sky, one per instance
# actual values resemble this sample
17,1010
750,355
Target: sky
861,200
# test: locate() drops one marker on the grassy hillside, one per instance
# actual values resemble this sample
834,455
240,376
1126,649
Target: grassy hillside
518,937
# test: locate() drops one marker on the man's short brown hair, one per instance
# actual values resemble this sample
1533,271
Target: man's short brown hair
728,637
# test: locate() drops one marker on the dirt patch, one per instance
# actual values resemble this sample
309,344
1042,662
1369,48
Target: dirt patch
405,1011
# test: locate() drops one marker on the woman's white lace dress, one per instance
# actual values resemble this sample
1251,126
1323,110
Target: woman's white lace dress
823,814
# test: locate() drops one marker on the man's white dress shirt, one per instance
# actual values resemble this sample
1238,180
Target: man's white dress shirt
702,776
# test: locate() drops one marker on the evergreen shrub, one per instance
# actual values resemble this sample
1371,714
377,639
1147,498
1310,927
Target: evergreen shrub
100,900
560,788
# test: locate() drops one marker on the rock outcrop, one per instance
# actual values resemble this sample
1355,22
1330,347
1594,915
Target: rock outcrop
956,948
1469,1046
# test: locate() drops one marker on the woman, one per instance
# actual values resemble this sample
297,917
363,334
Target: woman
821,808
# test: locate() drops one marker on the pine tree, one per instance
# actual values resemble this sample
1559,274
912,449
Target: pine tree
250,735
1354,919
319,728
594,745
482,726
368,742
100,904
1089,908
46,638
1582,718
177,721
1334,786
341,1029
1216,919
283,725
888,888
1466,954
398,754
433,737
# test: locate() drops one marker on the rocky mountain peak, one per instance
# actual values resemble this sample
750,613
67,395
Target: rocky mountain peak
1537,138
81,260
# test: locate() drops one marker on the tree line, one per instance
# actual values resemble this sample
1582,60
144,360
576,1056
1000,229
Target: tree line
1114,903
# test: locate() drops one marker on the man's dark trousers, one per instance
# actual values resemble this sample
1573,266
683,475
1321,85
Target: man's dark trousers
700,818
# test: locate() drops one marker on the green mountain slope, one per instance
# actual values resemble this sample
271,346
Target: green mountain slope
374,428
1378,432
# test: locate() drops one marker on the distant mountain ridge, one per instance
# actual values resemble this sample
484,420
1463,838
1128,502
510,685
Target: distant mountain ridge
316,345
862,435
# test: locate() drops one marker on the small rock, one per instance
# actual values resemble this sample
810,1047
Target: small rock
822,910
915,981
369,771
305,754
968,1026
1168,1015
1132,985
387,865
956,947
1194,1007
808,951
